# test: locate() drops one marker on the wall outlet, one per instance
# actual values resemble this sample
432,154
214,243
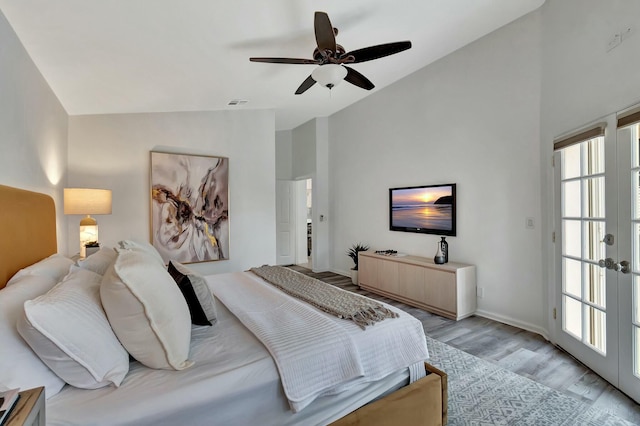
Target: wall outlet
480,292
529,223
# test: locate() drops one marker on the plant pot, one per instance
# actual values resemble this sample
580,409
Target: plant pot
354,276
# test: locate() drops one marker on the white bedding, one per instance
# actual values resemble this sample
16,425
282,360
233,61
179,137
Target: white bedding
234,381
318,353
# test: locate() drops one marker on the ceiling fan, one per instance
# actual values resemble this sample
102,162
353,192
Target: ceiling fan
332,57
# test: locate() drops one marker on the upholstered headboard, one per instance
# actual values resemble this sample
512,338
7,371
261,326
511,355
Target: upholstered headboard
28,227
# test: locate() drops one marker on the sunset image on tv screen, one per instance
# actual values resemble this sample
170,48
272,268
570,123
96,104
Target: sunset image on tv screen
422,208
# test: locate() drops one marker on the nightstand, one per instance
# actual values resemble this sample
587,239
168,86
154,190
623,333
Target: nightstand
29,410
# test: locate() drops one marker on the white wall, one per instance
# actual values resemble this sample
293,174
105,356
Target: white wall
321,198
112,151
284,152
304,150
582,82
472,118
33,127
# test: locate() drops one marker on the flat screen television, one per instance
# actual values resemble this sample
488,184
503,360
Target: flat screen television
427,209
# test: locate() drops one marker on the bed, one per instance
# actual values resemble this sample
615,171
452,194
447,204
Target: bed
235,377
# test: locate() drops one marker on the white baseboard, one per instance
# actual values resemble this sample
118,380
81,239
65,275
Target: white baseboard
485,314
514,322
340,272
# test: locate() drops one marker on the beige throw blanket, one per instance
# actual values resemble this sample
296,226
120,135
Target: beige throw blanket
332,300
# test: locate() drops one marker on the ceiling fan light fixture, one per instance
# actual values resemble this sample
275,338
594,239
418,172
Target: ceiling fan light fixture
329,75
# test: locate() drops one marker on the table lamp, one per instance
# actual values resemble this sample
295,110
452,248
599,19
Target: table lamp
87,201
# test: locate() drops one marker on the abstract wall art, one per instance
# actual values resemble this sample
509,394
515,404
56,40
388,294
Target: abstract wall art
190,207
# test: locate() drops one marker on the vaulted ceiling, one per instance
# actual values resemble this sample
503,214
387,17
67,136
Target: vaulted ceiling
128,56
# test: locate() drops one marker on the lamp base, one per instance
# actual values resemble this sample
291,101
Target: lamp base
88,234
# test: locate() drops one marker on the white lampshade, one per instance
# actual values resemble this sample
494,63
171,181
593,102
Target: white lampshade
87,201
329,75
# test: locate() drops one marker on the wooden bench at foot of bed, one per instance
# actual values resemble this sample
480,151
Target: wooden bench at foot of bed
423,403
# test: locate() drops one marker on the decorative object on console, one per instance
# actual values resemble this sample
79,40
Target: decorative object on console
427,209
387,252
444,247
190,207
87,201
353,254
439,257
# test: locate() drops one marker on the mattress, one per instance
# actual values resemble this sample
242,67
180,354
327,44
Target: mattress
234,381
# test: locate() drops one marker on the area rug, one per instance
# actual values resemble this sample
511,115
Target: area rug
481,393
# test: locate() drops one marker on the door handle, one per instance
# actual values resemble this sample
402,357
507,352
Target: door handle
608,263
622,267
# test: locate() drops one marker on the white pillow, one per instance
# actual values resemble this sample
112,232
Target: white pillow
69,331
147,311
99,261
55,266
20,367
142,247
196,293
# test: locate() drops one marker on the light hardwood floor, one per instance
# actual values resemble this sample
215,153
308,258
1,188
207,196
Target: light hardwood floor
514,349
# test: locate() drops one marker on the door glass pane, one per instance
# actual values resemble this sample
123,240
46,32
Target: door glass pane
572,277
594,157
594,246
635,189
572,321
636,299
571,199
595,291
636,349
596,328
635,250
571,241
571,162
635,148
594,197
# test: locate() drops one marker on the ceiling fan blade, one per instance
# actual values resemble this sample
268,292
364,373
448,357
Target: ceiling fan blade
286,61
305,85
357,79
378,51
325,37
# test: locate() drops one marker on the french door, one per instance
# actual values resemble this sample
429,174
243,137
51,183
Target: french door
598,249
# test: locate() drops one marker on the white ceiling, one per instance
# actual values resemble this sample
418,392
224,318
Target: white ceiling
124,56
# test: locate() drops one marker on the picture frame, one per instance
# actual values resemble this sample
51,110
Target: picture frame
189,197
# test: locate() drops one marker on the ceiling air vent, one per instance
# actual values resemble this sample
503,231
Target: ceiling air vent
235,102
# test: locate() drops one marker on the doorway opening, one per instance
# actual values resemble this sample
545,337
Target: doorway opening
305,229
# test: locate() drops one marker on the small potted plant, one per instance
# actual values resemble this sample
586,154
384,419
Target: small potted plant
353,254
